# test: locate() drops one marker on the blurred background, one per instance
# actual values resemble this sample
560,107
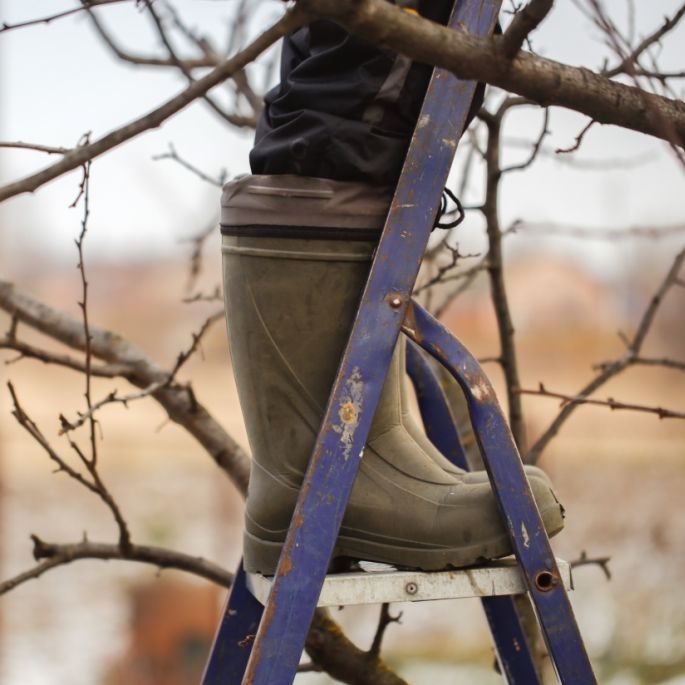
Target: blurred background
595,252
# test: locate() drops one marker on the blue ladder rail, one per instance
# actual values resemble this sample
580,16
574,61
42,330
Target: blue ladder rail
272,654
526,531
513,651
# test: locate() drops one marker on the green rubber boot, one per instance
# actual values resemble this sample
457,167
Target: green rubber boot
292,289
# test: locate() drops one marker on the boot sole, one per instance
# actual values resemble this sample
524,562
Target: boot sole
261,556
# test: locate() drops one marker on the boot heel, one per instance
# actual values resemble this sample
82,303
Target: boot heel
260,556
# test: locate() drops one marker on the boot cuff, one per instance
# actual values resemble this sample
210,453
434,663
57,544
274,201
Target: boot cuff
288,200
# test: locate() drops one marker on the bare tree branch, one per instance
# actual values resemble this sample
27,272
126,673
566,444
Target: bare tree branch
114,398
326,643
96,485
343,660
542,80
631,60
611,369
51,555
179,401
25,421
495,268
292,19
235,41
207,60
231,118
535,150
670,133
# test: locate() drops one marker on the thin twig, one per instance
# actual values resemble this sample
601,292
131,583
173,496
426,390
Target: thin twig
240,80
180,404
26,351
232,118
444,269
96,485
525,21
567,400
630,61
83,304
207,60
579,140
384,620
614,38
196,260
114,398
53,17
589,164
49,149
604,234
585,560
27,423
535,149
213,296
172,154
665,362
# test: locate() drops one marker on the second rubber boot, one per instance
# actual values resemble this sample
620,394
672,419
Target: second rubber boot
290,303
393,419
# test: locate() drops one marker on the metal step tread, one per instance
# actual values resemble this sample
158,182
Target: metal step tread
379,583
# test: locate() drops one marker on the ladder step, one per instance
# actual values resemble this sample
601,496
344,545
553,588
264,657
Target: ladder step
376,587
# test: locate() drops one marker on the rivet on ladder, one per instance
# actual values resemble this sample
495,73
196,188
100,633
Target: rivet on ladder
395,301
411,588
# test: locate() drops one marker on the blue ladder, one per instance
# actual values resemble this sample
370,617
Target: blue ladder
262,644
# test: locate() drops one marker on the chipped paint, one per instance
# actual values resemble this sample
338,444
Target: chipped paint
349,412
479,386
525,536
424,121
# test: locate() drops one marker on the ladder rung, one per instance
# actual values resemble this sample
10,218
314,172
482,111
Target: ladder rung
343,589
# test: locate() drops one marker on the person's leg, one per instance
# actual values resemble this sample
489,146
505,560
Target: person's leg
296,256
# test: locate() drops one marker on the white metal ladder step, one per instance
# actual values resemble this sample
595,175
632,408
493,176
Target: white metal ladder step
390,585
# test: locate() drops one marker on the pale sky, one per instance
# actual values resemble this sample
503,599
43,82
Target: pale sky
59,81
